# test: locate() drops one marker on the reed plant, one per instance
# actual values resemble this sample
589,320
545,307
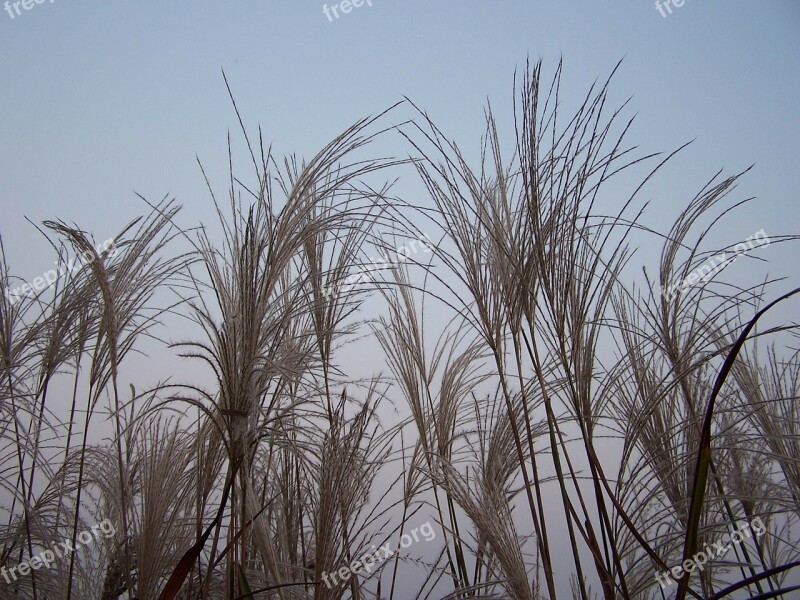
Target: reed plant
569,429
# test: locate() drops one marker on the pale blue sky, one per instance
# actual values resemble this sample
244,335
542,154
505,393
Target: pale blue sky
101,99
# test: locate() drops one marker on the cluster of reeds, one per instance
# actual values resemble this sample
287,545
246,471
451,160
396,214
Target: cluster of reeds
570,433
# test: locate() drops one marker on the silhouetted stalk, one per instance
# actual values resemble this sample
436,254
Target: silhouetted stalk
704,450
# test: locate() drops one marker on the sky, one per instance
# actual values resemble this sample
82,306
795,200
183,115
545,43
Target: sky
101,101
